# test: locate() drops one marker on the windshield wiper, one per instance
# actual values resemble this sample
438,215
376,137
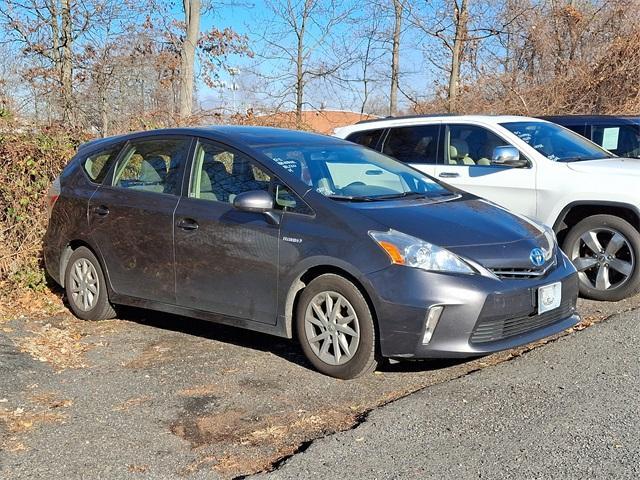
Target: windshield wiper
578,159
349,198
393,196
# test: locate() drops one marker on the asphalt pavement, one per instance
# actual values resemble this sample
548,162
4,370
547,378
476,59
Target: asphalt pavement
569,409
156,396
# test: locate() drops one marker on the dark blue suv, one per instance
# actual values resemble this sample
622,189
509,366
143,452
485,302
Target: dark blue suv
618,134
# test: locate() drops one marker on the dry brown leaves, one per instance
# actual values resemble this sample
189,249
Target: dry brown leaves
252,444
19,420
61,347
18,302
131,402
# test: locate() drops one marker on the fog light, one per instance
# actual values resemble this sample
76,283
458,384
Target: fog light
433,316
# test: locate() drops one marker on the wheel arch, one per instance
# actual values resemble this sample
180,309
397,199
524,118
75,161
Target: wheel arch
68,250
577,211
309,274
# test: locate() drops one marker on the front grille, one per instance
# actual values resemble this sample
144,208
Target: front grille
523,273
518,272
491,330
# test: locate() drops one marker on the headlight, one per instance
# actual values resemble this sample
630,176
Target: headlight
549,249
406,250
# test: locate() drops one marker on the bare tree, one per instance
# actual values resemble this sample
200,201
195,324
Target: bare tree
298,39
187,55
48,29
398,10
461,19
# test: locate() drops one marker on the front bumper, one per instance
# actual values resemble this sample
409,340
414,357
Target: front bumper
481,314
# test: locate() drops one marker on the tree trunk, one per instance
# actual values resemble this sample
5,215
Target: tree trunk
300,68
461,18
398,7
187,56
67,63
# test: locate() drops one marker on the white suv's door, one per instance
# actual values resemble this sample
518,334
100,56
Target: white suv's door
467,151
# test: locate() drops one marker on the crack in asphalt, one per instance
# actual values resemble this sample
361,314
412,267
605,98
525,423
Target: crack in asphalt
363,417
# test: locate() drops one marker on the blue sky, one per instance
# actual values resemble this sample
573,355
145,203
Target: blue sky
249,18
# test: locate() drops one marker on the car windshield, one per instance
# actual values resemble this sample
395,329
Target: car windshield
353,173
555,142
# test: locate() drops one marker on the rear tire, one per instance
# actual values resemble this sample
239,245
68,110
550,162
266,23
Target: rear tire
86,287
336,329
605,249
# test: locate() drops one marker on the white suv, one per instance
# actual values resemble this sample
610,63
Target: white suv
538,169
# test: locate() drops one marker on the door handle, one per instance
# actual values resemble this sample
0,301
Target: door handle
101,210
449,175
188,224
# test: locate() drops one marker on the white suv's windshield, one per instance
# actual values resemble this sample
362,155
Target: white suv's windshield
555,142
353,173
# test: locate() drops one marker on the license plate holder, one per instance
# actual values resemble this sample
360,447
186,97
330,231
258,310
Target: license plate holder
549,297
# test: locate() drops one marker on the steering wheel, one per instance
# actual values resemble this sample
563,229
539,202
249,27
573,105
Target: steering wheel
355,184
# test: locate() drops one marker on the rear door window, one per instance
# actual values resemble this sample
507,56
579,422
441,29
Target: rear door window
97,164
153,165
415,144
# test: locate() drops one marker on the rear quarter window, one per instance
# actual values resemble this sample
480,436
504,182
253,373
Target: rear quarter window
368,138
97,164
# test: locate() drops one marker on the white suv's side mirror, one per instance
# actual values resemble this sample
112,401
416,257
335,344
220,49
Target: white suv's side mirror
507,156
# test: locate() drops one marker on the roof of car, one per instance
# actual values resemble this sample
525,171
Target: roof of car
419,119
250,136
589,119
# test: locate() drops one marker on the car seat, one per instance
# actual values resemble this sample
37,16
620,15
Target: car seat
459,153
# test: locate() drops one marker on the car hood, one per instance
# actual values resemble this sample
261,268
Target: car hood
608,166
468,226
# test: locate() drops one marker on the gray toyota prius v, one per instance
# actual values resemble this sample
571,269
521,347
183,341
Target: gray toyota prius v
290,233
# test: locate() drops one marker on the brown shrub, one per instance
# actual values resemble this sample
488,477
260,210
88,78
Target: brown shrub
607,84
29,161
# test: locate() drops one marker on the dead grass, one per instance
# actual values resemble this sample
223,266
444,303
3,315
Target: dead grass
252,444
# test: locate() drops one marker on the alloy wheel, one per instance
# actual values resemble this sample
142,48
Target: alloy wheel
604,258
84,284
332,328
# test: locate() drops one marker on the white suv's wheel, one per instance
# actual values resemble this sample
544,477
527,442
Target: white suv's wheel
605,250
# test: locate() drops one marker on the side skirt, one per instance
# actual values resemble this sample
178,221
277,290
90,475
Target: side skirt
277,330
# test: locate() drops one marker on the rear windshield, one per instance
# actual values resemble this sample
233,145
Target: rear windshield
555,142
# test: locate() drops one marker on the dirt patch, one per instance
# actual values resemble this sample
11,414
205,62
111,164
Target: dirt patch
155,353
138,468
20,420
233,442
50,400
131,403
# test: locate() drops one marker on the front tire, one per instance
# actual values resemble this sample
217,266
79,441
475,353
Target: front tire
86,287
605,250
336,329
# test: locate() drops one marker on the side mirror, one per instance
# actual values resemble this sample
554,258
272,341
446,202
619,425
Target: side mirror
257,201
507,157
